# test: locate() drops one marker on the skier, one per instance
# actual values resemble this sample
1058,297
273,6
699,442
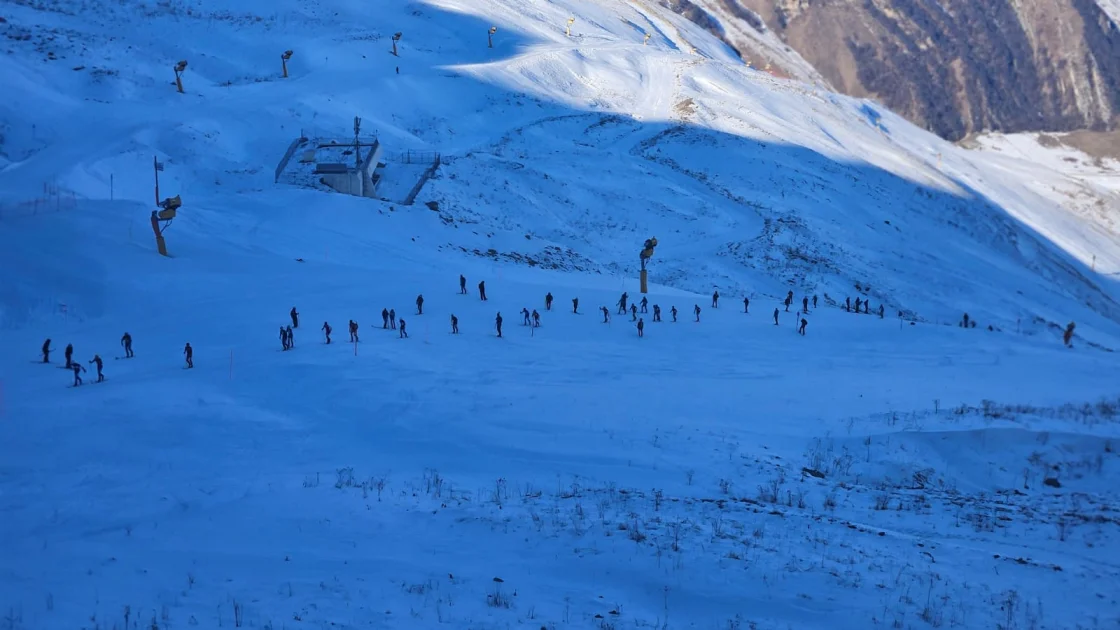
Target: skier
606,315
801,329
696,311
804,305
880,311
97,360
1067,336
866,305
291,338
353,331
69,353
404,335
622,303
393,318
633,312
673,312
420,304
126,341
775,316
498,323
715,299
641,328
536,319
858,304
656,313
47,351
462,284
525,317
78,369
644,302
283,338
575,305
454,324
964,322
189,352
814,302
295,318
746,305
482,290
327,329
548,301
848,304
384,319
788,301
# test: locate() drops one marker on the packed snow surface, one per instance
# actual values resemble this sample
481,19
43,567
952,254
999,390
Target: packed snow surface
897,471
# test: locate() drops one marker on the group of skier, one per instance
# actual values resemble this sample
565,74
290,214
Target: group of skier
77,367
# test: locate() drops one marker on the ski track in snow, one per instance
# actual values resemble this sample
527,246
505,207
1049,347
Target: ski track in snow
897,472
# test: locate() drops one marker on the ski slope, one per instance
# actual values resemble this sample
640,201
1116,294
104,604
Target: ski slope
726,473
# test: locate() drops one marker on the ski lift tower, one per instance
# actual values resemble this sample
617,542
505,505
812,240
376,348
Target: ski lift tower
644,256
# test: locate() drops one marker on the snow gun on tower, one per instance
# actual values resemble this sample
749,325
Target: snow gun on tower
644,256
168,208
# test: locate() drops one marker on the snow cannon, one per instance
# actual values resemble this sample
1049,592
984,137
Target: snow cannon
179,69
644,256
168,209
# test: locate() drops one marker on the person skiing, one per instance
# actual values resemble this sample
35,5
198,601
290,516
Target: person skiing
804,305
327,329
189,352
633,312
789,300
420,304
858,304
775,316
801,329
126,341
746,305
454,324
1067,336
47,351
548,301
291,338
606,314
536,319
696,311
498,323
97,360
354,330
881,311
575,305
964,322
69,353
525,317
462,284
644,302
715,299
295,318
385,319
848,304
622,303
866,305
393,318
482,290
656,313
814,301
284,337
404,335
78,369
673,312
641,327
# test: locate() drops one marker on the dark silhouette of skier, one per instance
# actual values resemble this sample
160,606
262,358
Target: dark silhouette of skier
47,351
606,314
673,312
536,319
746,305
393,318
404,335
848,304
715,299
804,305
385,319
327,329
789,299
622,303
525,317
775,317
69,353
964,322
454,324
188,351
801,329
498,323
462,284
633,312
656,313
696,311
881,311
78,369
866,305
295,318
548,301
284,338
641,328
858,304
291,338
97,360
575,306
482,290
126,341
814,302
354,330
644,302
420,304
1067,336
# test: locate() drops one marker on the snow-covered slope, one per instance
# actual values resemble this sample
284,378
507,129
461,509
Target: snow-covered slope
722,473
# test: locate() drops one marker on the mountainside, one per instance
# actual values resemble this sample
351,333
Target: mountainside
954,66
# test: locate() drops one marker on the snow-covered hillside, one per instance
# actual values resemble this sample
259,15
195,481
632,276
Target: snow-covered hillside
726,473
